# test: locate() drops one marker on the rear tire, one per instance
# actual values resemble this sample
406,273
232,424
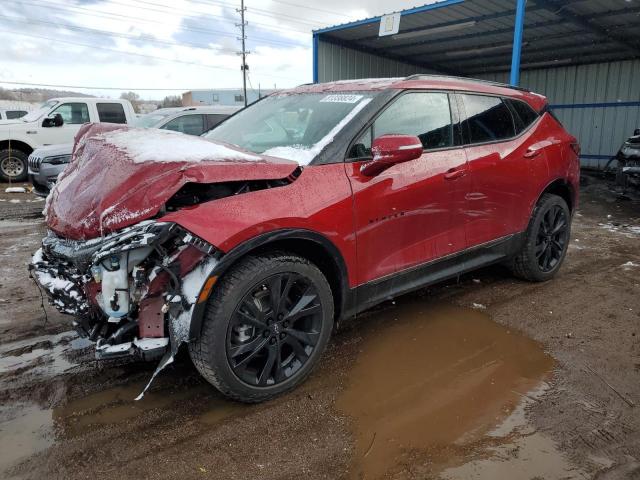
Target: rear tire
546,240
13,165
265,327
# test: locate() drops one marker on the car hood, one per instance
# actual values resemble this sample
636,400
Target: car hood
53,150
119,176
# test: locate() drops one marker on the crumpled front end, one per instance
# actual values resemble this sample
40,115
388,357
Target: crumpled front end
132,292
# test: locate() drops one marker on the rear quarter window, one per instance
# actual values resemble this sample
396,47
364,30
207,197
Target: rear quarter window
111,113
523,114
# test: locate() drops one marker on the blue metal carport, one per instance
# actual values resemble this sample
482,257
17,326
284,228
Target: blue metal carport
584,55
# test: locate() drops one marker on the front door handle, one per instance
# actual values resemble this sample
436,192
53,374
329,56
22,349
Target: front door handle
454,173
532,152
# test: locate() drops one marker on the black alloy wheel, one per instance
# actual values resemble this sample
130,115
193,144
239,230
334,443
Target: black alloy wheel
266,324
274,329
546,240
552,238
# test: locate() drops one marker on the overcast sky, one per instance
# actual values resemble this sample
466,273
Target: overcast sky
166,44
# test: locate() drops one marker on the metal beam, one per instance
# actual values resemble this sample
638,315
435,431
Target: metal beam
516,51
528,49
529,27
559,8
315,58
382,53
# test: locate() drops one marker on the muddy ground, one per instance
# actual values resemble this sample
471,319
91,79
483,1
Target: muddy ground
487,377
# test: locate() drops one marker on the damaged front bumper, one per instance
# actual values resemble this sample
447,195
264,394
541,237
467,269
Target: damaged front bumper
132,292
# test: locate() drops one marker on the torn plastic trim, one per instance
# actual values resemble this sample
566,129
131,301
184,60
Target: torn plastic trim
180,324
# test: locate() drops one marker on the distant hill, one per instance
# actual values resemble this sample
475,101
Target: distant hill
36,95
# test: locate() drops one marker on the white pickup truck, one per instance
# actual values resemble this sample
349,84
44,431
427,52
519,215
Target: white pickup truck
56,121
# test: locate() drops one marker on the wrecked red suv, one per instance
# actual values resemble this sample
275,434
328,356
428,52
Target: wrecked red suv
299,211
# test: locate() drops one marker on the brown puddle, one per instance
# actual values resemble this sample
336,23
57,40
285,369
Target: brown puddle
27,429
430,379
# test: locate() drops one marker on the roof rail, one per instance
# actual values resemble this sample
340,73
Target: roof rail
419,76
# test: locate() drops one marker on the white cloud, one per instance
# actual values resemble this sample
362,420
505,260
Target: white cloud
37,48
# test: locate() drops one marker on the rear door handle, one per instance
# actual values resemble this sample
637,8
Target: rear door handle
530,153
454,173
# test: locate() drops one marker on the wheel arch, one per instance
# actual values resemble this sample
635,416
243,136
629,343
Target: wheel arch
17,144
562,188
308,244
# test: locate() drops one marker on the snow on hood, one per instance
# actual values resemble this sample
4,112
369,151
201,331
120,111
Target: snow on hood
118,176
144,145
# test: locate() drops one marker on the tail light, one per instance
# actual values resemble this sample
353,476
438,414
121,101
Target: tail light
575,146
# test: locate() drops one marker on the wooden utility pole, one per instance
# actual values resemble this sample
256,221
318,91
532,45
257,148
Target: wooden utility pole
244,67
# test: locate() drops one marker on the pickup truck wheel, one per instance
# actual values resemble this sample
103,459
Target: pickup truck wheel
13,165
546,242
265,327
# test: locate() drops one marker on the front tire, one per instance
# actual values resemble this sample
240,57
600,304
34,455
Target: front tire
546,240
265,327
13,165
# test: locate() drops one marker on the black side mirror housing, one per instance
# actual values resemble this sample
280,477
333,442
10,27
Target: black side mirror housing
636,131
55,121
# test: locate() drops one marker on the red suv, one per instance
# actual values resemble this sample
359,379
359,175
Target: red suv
301,210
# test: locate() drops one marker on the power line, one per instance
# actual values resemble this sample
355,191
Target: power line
50,85
297,5
131,53
101,14
265,13
167,7
114,34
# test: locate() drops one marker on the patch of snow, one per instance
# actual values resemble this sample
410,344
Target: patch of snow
627,230
151,145
303,155
15,200
479,306
629,265
15,190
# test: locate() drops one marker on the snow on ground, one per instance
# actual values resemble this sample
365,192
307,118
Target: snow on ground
144,145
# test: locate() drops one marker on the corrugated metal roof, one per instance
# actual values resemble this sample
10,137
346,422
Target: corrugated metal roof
472,37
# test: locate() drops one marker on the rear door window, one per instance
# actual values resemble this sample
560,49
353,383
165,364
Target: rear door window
486,119
214,119
189,124
11,114
111,113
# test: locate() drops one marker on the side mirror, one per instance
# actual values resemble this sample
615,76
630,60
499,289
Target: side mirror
55,121
391,149
636,132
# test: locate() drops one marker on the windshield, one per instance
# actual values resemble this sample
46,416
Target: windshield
151,119
39,112
292,126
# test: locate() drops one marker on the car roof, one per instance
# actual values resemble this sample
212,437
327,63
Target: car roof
87,99
433,82
221,109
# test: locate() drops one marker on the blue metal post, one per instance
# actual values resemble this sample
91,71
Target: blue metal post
315,58
514,79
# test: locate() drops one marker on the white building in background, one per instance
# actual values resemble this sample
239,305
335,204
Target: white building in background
222,96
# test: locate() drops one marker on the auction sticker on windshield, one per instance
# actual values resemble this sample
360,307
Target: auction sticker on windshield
341,98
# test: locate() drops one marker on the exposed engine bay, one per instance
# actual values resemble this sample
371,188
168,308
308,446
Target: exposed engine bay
131,292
